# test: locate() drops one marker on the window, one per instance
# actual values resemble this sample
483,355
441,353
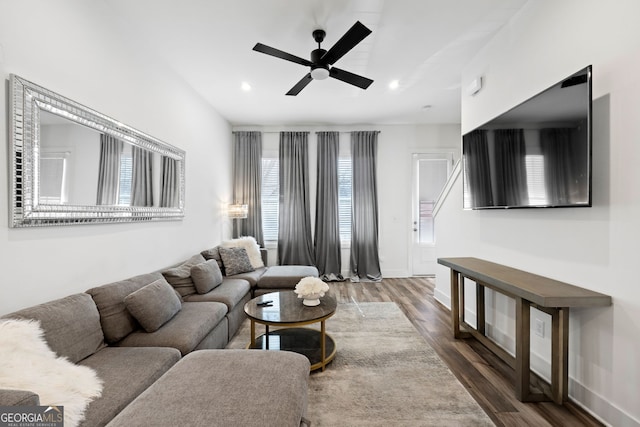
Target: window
270,198
344,197
53,174
271,195
534,164
126,171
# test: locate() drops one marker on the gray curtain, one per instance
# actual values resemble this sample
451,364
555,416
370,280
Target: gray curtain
476,149
559,163
247,183
141,177
295,246
365,262
109,170
511,186
327,235
169,183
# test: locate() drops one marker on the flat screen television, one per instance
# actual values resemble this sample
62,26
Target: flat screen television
538,154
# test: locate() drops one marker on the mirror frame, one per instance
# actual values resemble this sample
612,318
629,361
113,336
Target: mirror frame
27,99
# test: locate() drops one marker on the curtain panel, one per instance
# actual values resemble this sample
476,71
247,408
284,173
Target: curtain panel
365,261
247,183
511,167
169,185
327,231
560,160
295,246
109,170
476,148
141,177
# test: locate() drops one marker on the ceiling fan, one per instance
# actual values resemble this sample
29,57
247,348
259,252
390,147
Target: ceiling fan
322,60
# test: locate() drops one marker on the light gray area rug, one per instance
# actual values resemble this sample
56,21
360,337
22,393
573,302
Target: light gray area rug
384,374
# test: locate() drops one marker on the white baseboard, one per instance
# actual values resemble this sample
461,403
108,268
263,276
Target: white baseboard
395,274
442,298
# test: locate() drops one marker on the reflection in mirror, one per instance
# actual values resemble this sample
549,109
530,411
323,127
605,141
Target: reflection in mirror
72,165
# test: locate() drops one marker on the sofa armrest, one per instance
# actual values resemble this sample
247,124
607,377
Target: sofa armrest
18,398
265,255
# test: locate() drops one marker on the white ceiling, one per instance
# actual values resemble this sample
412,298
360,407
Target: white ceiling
424,44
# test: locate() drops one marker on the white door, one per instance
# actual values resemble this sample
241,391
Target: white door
430,174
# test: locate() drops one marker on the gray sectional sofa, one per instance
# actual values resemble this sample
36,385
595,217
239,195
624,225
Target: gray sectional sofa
159,349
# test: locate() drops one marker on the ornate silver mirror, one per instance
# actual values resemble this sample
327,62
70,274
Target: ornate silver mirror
73,165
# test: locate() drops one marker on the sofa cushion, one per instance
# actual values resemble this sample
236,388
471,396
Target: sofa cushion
214,253
235,260
18,398
185,331
180,277
206,276
153,305
231,292
71,325
117,322
125,372
206,388
285,276
250,245
251,276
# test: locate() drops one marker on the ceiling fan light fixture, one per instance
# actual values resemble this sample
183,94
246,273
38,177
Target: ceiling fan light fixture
319,73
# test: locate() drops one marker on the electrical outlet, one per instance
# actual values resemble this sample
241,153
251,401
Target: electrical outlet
540,328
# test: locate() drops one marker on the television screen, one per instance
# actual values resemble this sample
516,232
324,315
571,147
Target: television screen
538,154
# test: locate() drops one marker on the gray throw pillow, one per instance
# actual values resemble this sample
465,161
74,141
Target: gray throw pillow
213,253
180,277
153,305
235,260
206,276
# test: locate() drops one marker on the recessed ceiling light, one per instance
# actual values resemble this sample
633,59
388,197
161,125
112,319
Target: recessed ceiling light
394,84
245,86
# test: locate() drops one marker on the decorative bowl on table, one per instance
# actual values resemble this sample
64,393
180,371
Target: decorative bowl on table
311,289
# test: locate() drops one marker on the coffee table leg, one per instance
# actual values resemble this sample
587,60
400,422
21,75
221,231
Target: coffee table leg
322,344
266,336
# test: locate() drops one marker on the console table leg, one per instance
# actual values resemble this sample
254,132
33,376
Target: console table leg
559,354
480,316
523,344
455,303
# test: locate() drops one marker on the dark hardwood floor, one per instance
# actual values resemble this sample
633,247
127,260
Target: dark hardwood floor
487,378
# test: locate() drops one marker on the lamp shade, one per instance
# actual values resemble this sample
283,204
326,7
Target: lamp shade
238,211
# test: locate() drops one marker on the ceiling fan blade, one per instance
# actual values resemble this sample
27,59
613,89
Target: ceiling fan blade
300,85
259,47
347,77
352,37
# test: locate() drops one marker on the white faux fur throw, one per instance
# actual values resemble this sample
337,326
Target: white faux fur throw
27,363
250,245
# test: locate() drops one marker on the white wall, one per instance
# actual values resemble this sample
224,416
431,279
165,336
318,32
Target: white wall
596,248
395,145
80,50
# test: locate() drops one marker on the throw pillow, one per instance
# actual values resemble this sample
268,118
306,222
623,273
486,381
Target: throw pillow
206,276
250,245
213,253
153,305
29,364
180,277
235,261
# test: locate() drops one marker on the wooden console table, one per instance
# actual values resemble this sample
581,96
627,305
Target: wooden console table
528,290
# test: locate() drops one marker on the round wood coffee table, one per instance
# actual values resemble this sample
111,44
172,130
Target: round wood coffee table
287,312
